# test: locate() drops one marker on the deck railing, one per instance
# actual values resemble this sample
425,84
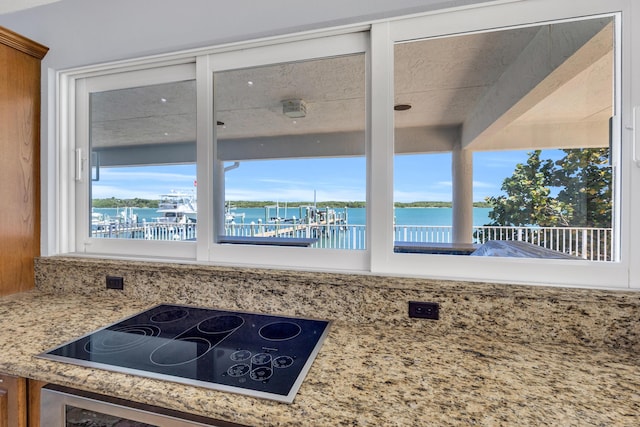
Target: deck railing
146,230
588,243
594,244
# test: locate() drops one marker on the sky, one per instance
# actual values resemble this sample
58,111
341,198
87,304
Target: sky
425,177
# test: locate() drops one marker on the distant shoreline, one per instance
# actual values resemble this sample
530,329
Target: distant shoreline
145,203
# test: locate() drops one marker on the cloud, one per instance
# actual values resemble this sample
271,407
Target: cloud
280,181
480,184
499,160
106,192
129,183
417,196
283,194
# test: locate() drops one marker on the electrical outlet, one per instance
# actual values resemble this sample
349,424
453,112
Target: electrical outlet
115,282
424,310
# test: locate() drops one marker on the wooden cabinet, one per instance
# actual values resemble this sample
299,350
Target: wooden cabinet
13,401
19,401
19,160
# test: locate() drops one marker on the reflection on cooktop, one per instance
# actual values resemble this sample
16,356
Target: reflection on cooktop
249,353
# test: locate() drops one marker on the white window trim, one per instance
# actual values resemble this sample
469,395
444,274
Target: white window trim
379,258
509,270
81,172
276,256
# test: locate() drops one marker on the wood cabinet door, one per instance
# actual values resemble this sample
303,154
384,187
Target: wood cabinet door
20,160
13,401
4,408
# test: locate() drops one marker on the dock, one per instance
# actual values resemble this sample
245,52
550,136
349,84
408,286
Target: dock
286,230
313,223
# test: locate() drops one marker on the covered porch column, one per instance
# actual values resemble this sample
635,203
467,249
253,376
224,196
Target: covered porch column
462,174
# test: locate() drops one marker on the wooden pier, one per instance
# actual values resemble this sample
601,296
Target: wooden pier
284,230
293,229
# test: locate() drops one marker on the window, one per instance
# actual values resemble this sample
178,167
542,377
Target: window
139,130
547,100
434,146
142,151
524,115
291,137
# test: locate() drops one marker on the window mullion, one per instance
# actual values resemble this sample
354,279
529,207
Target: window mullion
205,152
380,188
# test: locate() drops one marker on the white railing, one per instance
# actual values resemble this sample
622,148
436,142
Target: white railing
588,243
423,233
146,230
330,236
585,242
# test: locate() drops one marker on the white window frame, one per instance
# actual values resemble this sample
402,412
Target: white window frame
495,269
71,218
81,171
271,256
74,146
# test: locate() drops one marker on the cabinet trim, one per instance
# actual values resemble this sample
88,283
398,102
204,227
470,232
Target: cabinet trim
21,43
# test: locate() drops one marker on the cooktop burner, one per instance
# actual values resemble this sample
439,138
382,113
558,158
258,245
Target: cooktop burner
255,354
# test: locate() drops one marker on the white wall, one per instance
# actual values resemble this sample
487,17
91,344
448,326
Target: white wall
83,32
13,5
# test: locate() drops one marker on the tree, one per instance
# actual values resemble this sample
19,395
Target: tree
528,199
585,178
584,182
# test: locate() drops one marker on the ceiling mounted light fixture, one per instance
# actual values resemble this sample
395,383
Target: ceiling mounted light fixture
294,108
402,107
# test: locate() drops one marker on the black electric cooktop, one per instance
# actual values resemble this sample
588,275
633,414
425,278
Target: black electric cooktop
254,354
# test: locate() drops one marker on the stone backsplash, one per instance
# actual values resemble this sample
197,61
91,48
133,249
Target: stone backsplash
594,318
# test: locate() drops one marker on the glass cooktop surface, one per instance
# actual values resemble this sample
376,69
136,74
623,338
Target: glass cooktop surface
255,354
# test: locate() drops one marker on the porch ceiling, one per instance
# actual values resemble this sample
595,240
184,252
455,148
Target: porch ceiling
501,90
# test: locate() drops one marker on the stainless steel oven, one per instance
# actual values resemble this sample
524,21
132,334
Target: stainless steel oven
66,407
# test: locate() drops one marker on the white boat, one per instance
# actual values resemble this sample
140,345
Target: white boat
99,222
177,207
230,215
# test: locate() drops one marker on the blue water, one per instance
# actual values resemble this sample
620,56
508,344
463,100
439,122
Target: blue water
355,216
436,216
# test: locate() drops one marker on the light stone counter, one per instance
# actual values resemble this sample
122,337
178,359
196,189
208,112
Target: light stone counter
366,374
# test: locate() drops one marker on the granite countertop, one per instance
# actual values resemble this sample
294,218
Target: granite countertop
364,375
